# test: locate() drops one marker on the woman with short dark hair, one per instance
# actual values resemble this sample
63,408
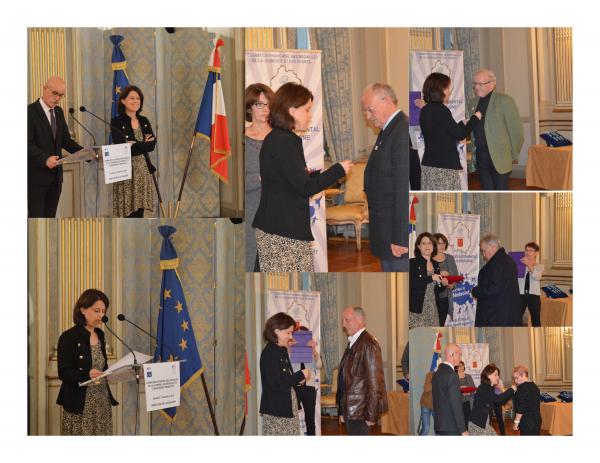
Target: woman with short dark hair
528,418
484,401
440,167
424,278
132,197
278,402
530,283
282,221
258,98
81,357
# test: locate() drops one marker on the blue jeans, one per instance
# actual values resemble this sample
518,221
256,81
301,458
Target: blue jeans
426,414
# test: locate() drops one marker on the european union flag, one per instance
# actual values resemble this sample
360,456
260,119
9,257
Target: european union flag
120,80
175,333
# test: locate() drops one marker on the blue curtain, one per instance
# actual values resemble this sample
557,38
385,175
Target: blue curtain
337,91
325,283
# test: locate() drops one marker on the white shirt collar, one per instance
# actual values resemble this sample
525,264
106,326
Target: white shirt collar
390,118
449,364
352,339
45,107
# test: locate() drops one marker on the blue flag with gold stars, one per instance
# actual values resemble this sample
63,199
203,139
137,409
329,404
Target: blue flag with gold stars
120,80
176,340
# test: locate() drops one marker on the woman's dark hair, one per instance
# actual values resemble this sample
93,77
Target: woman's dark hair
434,86
456,368
87,299
125,93
252,96
441,236
420,238
279,321
487,372
288,96
533,245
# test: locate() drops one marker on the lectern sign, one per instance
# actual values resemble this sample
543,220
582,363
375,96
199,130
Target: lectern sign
117,162
162,385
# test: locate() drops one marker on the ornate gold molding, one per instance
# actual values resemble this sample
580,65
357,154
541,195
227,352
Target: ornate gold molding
47,57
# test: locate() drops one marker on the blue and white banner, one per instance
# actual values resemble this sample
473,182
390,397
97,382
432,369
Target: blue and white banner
462,231
305,308
450,63
275,68
475,356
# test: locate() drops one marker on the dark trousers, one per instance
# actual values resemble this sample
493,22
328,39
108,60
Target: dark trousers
467,410
356,427
443,310
488,175
529,430
447,433
42,200
500,418
307,396
414,173
396,264
534,303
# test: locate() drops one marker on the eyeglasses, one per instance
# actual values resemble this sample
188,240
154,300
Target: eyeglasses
55,93
372,107
481,84
260,105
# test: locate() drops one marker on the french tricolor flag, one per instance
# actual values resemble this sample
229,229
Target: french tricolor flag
212,120
437,351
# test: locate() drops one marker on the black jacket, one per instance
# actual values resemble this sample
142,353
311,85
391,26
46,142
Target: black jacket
74,365
484,401
286,186
418,281
277,379
41,144
122,132
441,133
497,292
386,185
447,401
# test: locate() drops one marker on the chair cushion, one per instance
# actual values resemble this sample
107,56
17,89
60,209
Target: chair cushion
346,213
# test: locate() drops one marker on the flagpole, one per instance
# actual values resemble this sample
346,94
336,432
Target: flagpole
185,171
243,426
160,201
210,407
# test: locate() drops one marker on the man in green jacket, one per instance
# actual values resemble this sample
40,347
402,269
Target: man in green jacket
498,136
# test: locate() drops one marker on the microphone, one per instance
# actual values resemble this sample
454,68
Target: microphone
83,109
135,364
122,318
71,112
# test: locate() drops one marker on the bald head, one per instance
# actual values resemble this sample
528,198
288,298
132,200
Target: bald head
484,81
353,320
54,90
379,102
452,354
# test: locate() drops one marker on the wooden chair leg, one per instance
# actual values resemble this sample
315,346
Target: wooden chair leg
357,233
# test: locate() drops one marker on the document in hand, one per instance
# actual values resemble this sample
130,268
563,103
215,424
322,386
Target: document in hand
120,371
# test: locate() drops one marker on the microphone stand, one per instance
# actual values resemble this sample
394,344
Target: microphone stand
136,369
83,109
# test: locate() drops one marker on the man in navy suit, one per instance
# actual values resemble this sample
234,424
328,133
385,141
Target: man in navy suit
47,135
386,178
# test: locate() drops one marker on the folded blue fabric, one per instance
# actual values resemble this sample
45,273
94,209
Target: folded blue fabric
545,397
555,139
405,384
566,396
554,292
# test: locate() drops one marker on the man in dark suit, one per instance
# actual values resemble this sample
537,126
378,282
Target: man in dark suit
386,178
47,135
447,399
497,290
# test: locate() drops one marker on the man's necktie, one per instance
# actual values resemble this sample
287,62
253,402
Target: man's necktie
53,122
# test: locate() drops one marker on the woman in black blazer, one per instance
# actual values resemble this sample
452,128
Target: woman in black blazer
485,400
278,402
424,283
282,221
440,168
132,197
81,357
